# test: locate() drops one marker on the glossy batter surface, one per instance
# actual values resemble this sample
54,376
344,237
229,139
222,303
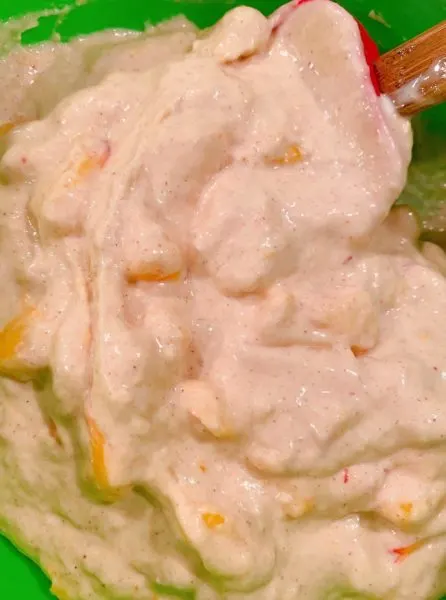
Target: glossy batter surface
223,362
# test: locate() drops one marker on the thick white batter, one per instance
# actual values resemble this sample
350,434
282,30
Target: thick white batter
224,363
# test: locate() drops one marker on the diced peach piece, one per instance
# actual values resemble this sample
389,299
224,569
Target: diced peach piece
91,163
98,463
291,156
406,509
11,337
405,551
155,276
358,351
97,449
8,126
213,520
54,433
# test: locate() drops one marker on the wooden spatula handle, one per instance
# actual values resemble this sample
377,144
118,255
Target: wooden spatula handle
414,74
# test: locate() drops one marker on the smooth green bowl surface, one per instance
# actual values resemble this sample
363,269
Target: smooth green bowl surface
19,578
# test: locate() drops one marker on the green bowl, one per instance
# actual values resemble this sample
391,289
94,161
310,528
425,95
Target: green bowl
389,22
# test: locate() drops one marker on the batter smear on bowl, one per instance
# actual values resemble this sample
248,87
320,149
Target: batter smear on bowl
222,352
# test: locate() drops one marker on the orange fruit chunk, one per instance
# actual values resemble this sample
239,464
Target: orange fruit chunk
54,433
98,463
97,449
8,126
213,520
11,338
291,156
358,351
405,551
155,276
89,164
406,508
